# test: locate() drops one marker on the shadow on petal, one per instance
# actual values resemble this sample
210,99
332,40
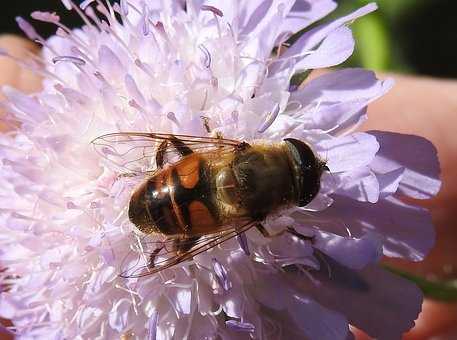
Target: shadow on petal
373,299
407,229
417,155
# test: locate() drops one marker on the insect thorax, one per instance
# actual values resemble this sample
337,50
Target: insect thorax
265,179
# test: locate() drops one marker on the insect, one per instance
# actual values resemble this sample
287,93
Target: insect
203,191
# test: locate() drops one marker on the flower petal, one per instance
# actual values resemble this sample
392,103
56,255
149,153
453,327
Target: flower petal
335,98
152,327
305,12
389,181
264,33
361,185
312,38
417,155
407,229
334,49
354,253
317,321
349,152
398,301
312,319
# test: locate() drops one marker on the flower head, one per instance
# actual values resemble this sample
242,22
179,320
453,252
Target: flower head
159,66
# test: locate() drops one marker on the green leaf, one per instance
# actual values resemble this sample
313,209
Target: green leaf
445,291
373,44
395,8
299,78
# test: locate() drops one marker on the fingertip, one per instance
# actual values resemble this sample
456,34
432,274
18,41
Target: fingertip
13,74
436,319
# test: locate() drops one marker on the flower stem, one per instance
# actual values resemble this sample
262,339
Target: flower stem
445,291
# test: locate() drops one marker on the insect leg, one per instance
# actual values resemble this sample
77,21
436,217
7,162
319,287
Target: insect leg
153,256
292,231
205,121
266,233
160,155
242,146
185,243
180,146
289,230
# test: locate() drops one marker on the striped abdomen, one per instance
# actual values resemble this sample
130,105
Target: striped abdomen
176,200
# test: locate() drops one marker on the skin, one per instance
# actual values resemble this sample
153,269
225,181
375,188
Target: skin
422,106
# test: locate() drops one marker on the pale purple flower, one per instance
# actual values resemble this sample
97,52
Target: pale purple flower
64,230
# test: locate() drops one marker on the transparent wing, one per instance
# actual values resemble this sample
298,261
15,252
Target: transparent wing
136,151
150,257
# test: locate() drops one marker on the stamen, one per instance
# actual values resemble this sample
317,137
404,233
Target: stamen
144,68
235,117
133,90
52,18
72,206
133,103
105,11
284,59
240,326
152,330
91,14
69,5
145,19
85,4
110,8
27,28
132,296
205,100
243,242
214,82
124,7
171,116
207,56
269,119
105,27
86,57
213,9
75,60
61,33
221,275
126,290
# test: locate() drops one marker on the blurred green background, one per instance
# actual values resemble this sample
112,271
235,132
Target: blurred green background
407,36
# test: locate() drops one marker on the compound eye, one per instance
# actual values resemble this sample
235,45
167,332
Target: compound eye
310,170
226,186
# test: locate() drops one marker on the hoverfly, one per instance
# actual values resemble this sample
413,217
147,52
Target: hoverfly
214,190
